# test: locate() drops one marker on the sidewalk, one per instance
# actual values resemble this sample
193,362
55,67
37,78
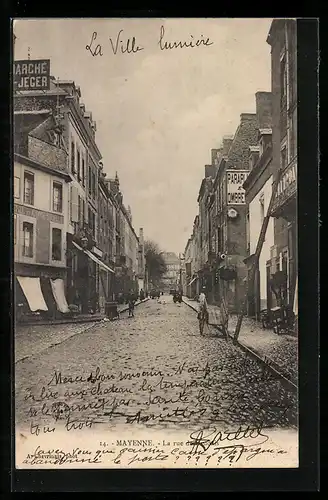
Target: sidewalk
32,339
280,350
79,318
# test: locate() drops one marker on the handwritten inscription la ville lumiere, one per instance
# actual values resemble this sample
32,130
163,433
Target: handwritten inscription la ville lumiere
120,44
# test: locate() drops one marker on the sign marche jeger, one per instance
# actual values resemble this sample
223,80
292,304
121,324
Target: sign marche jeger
32,75
235,190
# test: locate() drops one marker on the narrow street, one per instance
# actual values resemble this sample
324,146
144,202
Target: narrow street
154,369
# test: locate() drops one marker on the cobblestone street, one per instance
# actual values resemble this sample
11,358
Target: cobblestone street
154,369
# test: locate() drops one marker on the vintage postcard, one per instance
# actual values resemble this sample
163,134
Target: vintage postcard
155,243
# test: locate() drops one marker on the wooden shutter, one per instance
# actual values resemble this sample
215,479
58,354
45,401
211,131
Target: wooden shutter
74,204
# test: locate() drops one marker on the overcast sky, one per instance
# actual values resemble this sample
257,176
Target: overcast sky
158,113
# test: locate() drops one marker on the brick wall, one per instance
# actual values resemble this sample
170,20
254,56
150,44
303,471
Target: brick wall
45,153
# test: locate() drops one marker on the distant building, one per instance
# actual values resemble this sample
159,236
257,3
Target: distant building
171,278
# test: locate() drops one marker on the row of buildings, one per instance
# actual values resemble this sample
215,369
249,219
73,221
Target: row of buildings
235,193
74,240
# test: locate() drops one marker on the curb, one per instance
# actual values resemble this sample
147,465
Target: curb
260,359
136,304
74,321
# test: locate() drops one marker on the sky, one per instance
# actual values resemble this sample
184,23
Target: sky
158,112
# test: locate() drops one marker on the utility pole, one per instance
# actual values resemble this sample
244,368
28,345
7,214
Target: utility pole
257,253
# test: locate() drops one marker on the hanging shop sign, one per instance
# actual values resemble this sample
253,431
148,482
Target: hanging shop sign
287,185
235,190
32,75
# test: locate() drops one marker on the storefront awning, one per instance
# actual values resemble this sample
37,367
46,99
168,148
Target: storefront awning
58,291
33,293
194,279
94,258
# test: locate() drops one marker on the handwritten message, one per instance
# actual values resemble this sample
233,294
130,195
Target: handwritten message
202,448
121,44
186,396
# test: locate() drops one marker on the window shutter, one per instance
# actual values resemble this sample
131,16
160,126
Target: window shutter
74,204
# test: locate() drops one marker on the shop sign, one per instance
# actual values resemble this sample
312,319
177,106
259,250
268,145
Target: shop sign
287,185
32,75
235,190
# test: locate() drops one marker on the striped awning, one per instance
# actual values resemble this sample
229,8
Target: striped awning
94,258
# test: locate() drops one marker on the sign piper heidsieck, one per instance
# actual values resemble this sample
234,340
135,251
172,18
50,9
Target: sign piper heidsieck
32,75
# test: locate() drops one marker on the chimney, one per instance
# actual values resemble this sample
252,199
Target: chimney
226,143
141,236
264,109
246,117
214,155
210,171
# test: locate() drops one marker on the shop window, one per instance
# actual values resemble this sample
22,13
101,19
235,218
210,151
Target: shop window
56,244
57,197
27,239
28,188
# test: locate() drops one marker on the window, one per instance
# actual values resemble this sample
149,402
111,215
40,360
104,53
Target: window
89,181
83,172
283,80
93,185
283,157
78,165
293,135
57,197
56,244
27,239
16,187
92,221
28,188
262,207
248,241
73,157
15,228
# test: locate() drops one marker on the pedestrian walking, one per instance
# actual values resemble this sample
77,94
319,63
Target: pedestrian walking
131,304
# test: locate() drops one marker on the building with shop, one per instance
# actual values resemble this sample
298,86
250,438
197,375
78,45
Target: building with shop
258,189
78,134
282,266
41,217
228,271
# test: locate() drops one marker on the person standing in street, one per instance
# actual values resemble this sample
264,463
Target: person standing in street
203,304
131,303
